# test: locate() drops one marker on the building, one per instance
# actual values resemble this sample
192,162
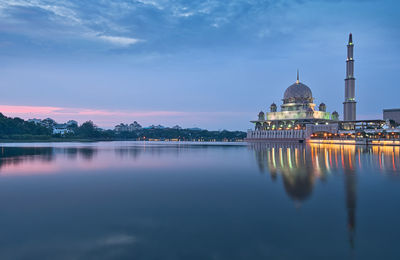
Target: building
392,114
61,129
298,116
35,121
299,119
349,104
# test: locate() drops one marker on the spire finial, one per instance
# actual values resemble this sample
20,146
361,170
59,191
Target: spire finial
297,81
350,39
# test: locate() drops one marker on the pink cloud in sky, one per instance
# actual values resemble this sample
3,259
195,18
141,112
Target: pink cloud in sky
47,111
110,118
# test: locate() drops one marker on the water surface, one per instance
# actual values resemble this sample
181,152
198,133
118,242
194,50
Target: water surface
134,200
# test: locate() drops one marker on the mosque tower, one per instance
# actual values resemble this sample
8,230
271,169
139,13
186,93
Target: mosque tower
349,104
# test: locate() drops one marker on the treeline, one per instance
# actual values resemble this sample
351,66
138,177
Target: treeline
19,129
182,134
90,131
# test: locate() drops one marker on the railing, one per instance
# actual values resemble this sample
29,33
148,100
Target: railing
275,134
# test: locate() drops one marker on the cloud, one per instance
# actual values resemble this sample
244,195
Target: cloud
60,9
68,17
40,111
123,41
151,3
156,21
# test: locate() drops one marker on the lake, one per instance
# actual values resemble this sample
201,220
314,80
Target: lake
136,200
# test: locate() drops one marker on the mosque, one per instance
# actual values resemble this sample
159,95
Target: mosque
299,116
297,110
297,119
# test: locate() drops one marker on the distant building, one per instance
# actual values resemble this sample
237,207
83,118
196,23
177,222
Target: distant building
35,121
61,129
56,128
392,114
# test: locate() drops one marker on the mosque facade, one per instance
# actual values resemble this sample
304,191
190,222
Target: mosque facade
298,116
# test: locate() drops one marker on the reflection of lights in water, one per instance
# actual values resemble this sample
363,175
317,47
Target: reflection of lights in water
273,157
317,167
350,163
336,160
321,159
316,161
326,160
289,158
342,157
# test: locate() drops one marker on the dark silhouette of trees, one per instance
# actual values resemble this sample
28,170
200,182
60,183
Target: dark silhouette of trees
19,129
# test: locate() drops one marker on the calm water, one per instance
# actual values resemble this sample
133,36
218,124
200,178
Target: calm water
127,200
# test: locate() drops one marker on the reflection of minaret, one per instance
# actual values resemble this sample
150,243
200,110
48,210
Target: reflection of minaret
350,185
349,104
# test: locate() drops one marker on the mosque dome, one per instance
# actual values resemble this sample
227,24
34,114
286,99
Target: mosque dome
298,93
261,115
335,116
322,107
273,107
299,187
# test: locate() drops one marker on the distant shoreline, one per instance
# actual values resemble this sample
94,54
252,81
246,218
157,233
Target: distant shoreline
61,140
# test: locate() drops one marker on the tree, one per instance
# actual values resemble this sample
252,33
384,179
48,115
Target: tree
88,130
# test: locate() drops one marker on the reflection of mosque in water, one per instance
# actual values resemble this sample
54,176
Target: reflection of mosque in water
300,165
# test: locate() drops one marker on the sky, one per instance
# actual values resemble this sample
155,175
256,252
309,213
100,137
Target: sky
209,64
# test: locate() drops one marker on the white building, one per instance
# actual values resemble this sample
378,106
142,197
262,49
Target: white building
61,129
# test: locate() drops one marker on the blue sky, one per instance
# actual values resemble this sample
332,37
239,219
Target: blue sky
211,64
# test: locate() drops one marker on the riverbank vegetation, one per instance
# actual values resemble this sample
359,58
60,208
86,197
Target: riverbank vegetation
19,130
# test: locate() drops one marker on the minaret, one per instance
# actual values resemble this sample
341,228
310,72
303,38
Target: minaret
349,104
